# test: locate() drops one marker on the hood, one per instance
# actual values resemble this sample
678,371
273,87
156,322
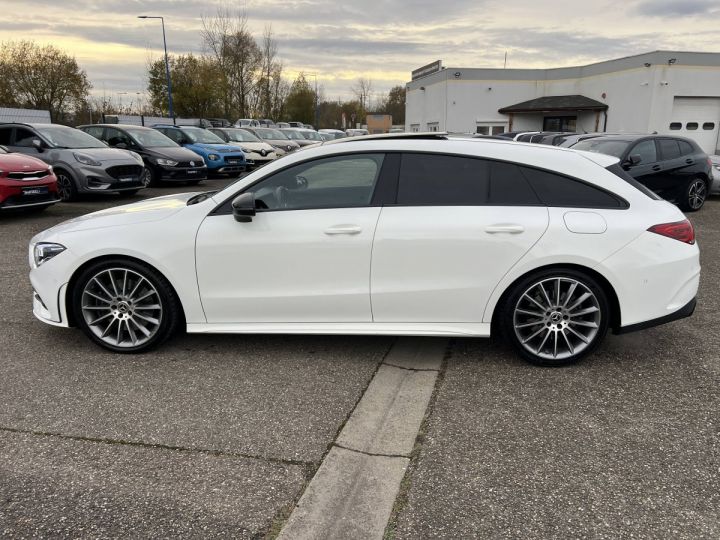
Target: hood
254,146
105,154
172,152
217,147
20,163
283,143
129,214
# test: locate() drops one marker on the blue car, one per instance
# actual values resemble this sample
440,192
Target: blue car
219,157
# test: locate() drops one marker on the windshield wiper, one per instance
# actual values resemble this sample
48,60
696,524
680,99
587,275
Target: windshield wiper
200,197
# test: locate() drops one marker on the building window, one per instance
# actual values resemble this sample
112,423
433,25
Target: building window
709,126
691,126
433,126
414,128
489,128
560,123
675,126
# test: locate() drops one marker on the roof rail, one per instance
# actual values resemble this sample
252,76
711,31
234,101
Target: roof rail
431,135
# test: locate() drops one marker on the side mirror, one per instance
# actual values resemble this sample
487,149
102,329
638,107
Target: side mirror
38,145
633,159
244,207
184,141
121,145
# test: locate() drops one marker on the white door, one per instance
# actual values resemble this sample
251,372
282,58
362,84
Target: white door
460,224
304,257
697,118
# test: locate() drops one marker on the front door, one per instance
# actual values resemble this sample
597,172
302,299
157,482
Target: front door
304,257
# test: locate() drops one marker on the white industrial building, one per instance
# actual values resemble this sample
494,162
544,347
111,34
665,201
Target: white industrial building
662,91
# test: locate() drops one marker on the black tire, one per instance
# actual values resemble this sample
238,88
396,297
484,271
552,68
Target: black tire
170,317
67,187
555,322
694,195
150,177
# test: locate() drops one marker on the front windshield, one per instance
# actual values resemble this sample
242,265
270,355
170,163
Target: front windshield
240,135
312,136
293,135
151,138
200,135
611,147
67,137
270,134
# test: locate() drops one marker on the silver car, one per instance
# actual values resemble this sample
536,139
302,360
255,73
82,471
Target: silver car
715,186
82,163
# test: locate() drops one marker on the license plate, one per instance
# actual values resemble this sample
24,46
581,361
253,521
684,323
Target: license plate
192,172
42,190
233,161
128,178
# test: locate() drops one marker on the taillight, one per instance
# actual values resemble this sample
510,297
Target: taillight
678,230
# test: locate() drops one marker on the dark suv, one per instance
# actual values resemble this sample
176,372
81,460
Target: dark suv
673,167
165,160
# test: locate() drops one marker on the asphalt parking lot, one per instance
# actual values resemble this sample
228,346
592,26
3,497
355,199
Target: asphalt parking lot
219,435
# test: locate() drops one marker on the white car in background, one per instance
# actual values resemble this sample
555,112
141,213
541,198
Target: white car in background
259,152
392,235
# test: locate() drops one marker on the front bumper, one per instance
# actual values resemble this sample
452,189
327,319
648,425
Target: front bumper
109,177
181,174
17,195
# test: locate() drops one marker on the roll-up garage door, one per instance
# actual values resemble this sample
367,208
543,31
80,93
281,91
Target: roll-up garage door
697,118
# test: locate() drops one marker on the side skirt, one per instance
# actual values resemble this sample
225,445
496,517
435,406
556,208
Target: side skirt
393,329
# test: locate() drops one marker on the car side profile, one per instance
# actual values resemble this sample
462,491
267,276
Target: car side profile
165,160
675,168
82,164
408,235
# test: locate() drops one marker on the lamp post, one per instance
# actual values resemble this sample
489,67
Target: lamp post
167,64
317,111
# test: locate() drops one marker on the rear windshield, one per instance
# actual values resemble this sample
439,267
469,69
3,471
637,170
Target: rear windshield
617,170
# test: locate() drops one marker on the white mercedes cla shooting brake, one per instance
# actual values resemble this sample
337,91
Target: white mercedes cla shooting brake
410,235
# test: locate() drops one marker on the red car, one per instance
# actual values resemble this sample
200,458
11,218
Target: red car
26,182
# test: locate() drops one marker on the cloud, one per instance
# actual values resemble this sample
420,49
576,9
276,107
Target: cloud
675,8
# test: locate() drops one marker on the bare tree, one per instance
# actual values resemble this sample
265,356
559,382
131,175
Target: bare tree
269,66
362,90
228,40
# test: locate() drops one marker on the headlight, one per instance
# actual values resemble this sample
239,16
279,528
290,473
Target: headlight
247,150
87,160
213,157
44,251
166,162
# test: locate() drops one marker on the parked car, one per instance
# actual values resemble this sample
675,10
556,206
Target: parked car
563,249
219,157
673,167
26,183
81,163
165,160
356,132
266,122
296,136
259,152
715,188
311,135
220,122
308,126
276,138
246,122
282,125
556,139
326,136
296,124
336,133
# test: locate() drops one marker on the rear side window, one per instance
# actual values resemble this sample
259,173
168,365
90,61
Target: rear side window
686,148
557,190
508,186
438,180
669,148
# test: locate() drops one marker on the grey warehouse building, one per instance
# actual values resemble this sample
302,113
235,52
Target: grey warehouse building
662,91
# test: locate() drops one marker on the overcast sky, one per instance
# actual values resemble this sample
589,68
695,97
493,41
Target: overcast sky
379,39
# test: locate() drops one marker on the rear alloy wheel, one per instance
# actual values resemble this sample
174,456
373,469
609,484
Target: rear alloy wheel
66,185
125,306
556,318
695,195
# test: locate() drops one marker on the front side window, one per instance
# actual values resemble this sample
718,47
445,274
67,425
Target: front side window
24,137
336,182
646,150
115,137
67,137
95,131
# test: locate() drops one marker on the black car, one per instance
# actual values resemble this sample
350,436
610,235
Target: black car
164,159
673,167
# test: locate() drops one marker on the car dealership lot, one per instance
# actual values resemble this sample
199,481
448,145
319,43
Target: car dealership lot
218,435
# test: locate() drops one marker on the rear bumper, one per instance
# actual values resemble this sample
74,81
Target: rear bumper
685,311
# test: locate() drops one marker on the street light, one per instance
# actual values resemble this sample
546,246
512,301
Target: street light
167,64
317,111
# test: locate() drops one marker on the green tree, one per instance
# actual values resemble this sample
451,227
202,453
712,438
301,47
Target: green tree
354,113
394,104
300,102
41,78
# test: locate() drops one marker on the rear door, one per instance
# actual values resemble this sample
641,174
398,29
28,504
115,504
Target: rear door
458,225
677,169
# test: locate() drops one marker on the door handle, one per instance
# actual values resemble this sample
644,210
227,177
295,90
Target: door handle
343,229
510,228
656,167
689,161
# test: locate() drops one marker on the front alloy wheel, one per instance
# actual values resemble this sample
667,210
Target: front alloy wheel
125,306
555,320
147,177
65,185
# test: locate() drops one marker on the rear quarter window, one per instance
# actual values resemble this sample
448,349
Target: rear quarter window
617,170
561,191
